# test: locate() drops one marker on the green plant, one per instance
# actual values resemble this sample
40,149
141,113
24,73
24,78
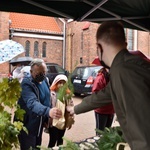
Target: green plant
9,129
110,137
70,145
63,95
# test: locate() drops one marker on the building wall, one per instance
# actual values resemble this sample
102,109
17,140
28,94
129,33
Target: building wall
4,25
53,48
80,44
85,48
144,42
4,34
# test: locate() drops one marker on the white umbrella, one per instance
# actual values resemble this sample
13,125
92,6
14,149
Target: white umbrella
9,49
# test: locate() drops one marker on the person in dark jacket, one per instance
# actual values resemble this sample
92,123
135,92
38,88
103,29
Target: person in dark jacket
128,88
35,100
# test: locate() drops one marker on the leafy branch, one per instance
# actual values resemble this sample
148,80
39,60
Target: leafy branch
110,137
65,93
9,94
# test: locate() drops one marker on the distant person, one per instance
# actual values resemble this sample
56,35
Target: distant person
26,71
35,100
103,115
20,71
128,88
17,72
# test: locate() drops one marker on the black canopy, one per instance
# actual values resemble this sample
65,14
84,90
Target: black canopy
134,13
21,60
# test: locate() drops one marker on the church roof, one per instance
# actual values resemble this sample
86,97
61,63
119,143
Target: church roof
34,23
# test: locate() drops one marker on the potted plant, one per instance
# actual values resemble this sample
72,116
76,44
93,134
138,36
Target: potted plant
110,137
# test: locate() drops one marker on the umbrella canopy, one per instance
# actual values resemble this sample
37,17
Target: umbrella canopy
133,13
21,60
9,49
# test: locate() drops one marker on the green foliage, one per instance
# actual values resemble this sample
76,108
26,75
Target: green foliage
9,130
19,113
62,94
70,85
110,137
70,145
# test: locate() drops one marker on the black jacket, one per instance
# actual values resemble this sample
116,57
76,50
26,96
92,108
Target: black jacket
129,90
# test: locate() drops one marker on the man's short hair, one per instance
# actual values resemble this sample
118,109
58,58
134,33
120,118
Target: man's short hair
37,62
111,32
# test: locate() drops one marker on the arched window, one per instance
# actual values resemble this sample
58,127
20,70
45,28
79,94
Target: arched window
44,49
36,49
27,48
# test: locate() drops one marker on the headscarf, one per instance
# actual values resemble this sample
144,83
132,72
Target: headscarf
58,78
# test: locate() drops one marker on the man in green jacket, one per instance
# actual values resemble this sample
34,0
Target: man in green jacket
129,86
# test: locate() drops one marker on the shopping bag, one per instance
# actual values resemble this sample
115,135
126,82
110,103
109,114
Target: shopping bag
69,120
60,123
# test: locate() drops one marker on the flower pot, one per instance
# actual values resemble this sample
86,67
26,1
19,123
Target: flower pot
126,146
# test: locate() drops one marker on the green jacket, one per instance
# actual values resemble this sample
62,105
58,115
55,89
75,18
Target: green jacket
129,89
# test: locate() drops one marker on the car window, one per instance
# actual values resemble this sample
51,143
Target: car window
95,70
78,71
86,72
60,70
94,73
51,69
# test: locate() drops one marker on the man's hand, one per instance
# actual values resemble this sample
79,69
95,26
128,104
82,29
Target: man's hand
70,109
55,113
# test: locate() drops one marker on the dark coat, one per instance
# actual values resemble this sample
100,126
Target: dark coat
129,90
36,112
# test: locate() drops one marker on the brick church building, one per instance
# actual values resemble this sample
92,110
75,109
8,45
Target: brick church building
68,43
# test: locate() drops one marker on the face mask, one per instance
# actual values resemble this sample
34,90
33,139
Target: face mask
39,77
